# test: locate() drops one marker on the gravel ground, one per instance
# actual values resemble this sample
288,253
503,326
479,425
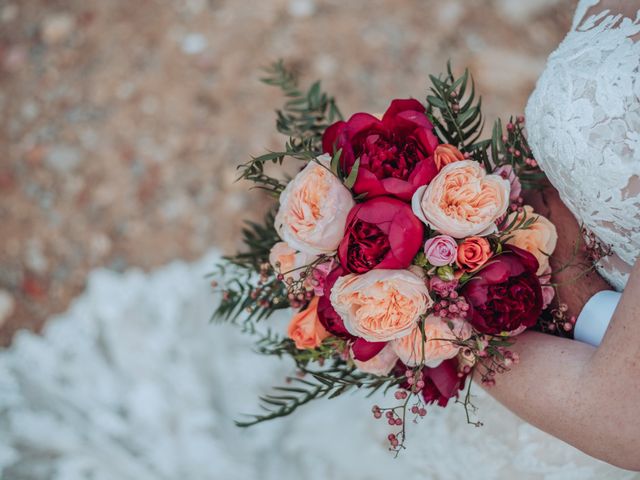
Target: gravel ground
123,121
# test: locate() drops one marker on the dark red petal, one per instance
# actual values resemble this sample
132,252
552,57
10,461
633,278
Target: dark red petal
402,105
408,122
427,138
360,122
327,315
330,137
367,182
445,377
424,172
527,259
380,209
364,350
405,237
398,188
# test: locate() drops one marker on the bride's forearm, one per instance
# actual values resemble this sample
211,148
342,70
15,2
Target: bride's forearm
587,397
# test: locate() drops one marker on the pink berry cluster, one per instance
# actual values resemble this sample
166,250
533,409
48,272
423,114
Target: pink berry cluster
452,306
395,415
299,290
495,364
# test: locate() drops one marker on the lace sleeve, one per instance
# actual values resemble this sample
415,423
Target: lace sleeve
584,128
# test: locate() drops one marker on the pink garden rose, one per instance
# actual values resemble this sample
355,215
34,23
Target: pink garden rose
313,210
319,276
462,200
441,250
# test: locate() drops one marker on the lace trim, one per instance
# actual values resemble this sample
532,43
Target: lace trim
583,120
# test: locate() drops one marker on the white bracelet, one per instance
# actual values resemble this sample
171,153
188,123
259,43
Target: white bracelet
595,316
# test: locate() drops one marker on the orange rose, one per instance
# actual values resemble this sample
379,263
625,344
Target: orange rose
462,200
539,239
380,305
473,252
445,154
305,328
439,344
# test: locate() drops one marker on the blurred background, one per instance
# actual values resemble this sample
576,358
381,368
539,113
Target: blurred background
123,121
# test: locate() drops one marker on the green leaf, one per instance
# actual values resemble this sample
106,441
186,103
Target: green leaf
436,102
335,163
353,175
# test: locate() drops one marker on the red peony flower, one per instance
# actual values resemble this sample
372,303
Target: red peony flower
381,233
396,153
440,383
331,321
506,293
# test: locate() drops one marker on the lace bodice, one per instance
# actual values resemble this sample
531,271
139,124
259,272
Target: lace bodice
584,128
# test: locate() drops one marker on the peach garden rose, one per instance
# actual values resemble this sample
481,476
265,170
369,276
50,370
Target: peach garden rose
539,239
287,261
313,209
462,200
380,305
438,345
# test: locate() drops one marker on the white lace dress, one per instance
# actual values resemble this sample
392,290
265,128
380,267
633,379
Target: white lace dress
584,127
133,383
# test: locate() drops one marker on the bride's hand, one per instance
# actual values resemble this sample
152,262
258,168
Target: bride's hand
588,397
576,283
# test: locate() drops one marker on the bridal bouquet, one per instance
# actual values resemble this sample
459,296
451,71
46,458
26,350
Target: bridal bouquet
403,246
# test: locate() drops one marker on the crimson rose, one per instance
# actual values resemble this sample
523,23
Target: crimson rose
363,350
506,293
381,233
396,153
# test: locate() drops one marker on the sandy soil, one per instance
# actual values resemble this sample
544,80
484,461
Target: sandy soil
123,121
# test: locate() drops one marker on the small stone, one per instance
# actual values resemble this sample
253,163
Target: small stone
325,65
522,12
15,58
7,306
56,28
149,105
100,246
301,8
29,110
63,158
194,43
450,14
35,258
9,13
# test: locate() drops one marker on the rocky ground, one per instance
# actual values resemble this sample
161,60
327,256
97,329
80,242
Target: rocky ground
122,122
